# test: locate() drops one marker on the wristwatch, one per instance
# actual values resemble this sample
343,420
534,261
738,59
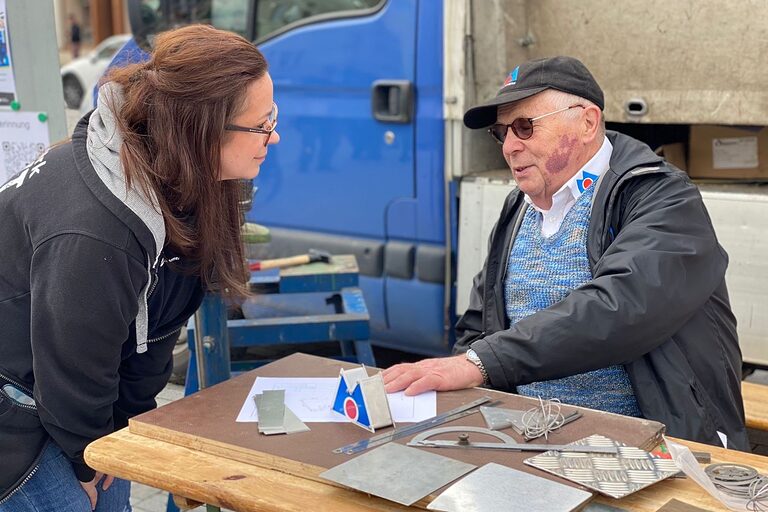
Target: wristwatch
473,358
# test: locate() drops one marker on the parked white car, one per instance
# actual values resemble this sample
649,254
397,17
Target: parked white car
80,76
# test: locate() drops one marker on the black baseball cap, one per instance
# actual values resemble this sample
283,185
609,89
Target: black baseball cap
564,74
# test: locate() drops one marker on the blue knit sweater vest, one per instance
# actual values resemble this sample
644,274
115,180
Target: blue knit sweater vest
542,271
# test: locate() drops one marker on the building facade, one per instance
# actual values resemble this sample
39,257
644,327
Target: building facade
98,19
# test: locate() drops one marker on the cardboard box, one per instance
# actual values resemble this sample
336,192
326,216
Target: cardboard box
674,154
728,152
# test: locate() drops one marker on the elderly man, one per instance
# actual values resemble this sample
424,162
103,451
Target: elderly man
604,283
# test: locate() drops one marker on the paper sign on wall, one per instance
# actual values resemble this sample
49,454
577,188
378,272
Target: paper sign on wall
23,137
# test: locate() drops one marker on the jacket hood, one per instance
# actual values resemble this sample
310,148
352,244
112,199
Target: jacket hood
104,142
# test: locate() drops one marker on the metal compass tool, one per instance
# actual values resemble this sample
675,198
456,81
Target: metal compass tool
451,415
507,443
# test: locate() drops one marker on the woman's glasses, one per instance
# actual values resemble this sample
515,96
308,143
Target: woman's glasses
266,129
522,127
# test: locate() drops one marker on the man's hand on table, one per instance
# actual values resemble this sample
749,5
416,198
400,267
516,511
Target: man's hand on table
440,374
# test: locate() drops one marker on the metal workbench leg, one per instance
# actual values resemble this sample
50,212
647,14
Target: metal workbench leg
364,353
358,349
354,304
209,352
347,349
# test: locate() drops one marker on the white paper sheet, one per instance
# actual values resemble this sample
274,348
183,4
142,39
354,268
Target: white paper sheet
311,400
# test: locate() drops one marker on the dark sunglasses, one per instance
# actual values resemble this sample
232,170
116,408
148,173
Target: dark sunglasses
265,129
522,127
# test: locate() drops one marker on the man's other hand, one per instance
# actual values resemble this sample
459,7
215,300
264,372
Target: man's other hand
440,374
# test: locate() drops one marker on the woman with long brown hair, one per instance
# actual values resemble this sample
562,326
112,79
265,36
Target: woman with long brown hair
110,241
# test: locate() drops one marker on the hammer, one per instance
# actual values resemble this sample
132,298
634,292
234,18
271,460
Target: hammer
312,256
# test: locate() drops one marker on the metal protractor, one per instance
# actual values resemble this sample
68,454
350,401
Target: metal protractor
507,443
453,414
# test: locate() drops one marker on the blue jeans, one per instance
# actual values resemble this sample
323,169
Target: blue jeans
55,488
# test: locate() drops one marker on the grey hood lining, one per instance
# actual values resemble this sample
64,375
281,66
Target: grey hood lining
103,147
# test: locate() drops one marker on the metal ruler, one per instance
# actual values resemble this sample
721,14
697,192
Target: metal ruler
451,415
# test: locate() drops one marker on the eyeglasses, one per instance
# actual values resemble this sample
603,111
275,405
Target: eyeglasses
522,127
266,129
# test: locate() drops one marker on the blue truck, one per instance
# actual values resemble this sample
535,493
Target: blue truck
360,166
374,160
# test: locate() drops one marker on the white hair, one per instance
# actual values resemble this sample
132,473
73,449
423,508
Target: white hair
560,99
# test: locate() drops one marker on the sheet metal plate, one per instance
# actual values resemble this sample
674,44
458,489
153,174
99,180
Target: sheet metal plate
497,488
398,473
615,475
271,408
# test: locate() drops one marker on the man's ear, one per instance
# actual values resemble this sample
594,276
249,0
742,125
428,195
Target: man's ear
592,120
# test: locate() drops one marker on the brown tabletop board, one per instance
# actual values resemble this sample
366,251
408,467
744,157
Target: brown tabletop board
205,422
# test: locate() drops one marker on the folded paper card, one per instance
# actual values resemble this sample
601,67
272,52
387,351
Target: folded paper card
362,399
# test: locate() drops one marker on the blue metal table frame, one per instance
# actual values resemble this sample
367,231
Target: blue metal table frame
312,303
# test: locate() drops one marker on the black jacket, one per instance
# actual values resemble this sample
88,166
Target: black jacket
73,271
657,303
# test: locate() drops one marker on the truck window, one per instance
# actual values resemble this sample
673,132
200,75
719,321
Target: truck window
252,19
273,16
150,17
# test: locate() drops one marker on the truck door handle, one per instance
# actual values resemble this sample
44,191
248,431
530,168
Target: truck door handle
392,101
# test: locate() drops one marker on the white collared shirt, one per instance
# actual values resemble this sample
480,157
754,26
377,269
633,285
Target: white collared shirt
565,198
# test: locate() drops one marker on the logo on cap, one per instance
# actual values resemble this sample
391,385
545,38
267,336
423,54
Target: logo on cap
511,78
586,181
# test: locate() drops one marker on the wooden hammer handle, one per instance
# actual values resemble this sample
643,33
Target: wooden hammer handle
285,262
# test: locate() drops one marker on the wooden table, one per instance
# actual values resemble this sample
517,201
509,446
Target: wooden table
244,487
755,405
207,470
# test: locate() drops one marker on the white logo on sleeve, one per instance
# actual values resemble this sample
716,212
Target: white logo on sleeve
33,168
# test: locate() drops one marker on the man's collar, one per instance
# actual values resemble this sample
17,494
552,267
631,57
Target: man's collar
592,170
582,180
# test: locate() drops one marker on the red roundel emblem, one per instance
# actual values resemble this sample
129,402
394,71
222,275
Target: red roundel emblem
350,409
586,183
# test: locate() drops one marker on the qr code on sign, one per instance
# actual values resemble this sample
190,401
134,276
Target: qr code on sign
18,155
